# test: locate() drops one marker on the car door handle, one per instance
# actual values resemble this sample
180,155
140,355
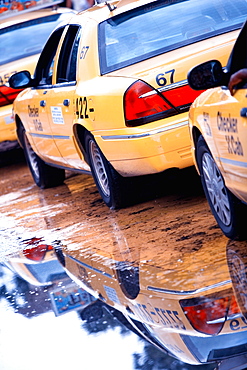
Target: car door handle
42,103
243,112
66,102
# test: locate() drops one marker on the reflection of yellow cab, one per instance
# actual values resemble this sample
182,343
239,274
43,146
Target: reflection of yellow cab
110,92
237,261
181,306
22,37
36,264
218,129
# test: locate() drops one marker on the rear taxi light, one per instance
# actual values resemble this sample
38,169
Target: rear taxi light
208,315
143,104
37,253
7,95
181,97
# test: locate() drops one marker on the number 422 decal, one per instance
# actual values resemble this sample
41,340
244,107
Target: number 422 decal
82,110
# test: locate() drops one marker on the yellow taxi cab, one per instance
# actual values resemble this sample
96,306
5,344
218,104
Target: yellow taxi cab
218,124
179,305
110,93
22,37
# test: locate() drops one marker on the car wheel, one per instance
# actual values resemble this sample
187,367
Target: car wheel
92,312
226,208
237,262
112,187
44,175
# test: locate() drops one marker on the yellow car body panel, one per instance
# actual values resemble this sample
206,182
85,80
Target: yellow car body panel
8,137
216,114
7,123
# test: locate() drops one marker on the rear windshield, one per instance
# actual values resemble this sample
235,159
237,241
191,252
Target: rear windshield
162,26
27,38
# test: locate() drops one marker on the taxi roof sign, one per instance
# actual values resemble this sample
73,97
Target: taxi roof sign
10,8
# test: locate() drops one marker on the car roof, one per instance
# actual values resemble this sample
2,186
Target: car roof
108,9
34,14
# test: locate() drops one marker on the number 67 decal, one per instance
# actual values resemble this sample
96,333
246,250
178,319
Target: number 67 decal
84,51
161,78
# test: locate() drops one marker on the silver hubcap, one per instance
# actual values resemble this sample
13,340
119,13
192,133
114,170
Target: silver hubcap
216,189
99,168
32,157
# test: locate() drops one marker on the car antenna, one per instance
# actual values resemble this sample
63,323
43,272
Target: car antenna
110,6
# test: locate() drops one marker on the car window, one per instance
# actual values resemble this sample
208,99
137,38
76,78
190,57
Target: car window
66,70
45,66
238,57
162,26
27,38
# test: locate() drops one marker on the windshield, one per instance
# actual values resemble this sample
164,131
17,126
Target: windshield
162,26
24,39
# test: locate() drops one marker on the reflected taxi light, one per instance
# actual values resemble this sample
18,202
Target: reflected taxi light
37,253
234,307
208,315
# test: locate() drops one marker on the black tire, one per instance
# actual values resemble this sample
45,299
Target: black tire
92,312
44,176
113,188
227,209
237,263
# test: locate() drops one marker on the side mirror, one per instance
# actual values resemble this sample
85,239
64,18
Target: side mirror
206,75
20,80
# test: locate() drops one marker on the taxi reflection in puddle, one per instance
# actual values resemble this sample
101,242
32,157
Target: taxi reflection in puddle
237,262
37,265
186,306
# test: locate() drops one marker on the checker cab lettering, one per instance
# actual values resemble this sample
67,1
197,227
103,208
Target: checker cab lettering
33,111
229,125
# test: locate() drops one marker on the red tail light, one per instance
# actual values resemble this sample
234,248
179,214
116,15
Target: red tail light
208,315
37,253
7,95
181,97
143,104
234,308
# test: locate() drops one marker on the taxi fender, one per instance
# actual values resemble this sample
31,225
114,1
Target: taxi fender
203,123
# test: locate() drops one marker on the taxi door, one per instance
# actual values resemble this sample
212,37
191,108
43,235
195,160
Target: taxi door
38,110
230,132
61,100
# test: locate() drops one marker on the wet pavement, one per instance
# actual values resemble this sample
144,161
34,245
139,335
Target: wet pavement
168,235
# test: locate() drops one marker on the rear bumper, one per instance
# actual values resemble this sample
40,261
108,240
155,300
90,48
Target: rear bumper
147,151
